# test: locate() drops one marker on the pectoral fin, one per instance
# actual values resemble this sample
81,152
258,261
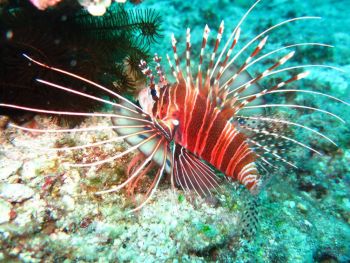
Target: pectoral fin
131,123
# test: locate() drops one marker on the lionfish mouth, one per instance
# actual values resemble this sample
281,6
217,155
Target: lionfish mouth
201,124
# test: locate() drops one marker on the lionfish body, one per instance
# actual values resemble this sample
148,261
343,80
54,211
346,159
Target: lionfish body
184,128
203,131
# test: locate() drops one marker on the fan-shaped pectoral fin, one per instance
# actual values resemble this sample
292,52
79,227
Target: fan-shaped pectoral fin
147,141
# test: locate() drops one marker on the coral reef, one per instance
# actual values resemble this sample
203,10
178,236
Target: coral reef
304,214
95,8
43,4
49,211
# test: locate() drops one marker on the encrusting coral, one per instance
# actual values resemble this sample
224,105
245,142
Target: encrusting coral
43,4
95,8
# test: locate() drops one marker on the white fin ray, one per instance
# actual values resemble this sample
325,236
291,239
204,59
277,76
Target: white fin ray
84,80
69,113
187,165
232,35
276,135
263,33
267,150
74,130
112,158
158,177
48,83
287,47
137,171
295,106
289,123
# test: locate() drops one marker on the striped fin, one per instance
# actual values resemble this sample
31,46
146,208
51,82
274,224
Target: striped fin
192,174
216,46
188,58
213,91
176,58
265,91
223,64
154,184
147,147
261,44
204,43
134,165
270,142
280,62
244,66
172,68
138,171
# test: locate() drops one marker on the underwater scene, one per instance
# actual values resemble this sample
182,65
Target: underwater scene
174,131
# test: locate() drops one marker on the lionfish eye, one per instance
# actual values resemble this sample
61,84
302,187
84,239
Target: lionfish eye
153,92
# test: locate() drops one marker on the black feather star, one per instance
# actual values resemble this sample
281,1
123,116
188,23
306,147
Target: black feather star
68,37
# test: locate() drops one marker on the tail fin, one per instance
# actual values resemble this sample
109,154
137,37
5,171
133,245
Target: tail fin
250,217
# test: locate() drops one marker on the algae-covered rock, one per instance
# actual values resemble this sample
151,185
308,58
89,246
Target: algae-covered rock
8,168
15,192
5,209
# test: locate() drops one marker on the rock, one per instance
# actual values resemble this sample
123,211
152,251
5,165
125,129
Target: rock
29,170
30,216
290,204
15,192
68,203
4,120
8,167
71,184
307,223
5,209
302,208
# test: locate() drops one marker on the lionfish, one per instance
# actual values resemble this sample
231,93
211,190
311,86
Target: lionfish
194,127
